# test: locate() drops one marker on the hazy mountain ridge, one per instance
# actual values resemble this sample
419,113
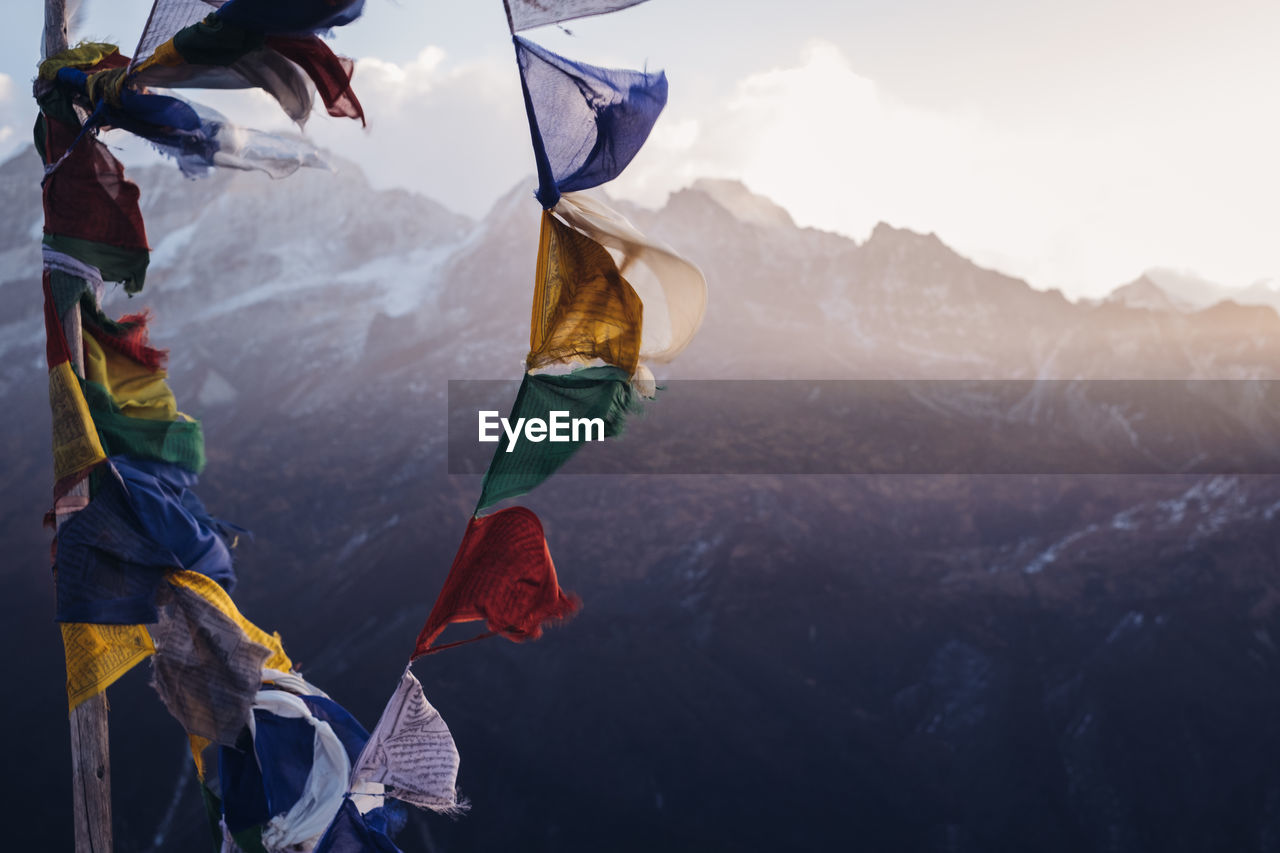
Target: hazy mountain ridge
916,663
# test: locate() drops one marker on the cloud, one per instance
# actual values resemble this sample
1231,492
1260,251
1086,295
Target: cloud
455,132
1065,202
1078,200
11,118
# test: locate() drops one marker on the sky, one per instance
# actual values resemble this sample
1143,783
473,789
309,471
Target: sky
1073,145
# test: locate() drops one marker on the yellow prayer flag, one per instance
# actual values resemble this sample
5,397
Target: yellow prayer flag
209,590
75,439
139,391
583,309
198,745
673,290
97,655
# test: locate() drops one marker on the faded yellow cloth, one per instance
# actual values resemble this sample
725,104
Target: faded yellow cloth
84,55
166,54
75,440
198,745
673,290
97,655
106,85
583,309
209,590
139,391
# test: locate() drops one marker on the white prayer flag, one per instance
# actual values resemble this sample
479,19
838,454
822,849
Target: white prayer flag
411,752
527,14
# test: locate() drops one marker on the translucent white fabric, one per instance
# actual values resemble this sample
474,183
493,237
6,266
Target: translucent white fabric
411,752
60,262
259,69
527,14
301,827
673,290
166,18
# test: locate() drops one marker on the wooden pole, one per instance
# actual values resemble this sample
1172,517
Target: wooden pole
90,743
90,755
55,27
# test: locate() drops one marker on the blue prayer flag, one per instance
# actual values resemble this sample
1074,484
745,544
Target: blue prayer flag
175,518
349,833
586,123
290,17
108,567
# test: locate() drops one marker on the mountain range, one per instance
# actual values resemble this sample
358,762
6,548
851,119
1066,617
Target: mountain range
899,662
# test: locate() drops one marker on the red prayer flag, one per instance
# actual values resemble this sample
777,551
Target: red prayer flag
331,73
88,196
128,336
503,574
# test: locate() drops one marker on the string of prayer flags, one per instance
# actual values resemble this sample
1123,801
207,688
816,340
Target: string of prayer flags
251,44
586,122
205,54
527,14
597,401
197,137
91,210
583,309
411,753
672,289
502,574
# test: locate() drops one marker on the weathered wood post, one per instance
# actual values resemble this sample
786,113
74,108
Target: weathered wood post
90,755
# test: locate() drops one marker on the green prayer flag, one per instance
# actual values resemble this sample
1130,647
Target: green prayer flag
603,393
180,442
115,263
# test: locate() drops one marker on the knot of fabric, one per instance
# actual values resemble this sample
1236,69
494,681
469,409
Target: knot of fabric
84,55
106,85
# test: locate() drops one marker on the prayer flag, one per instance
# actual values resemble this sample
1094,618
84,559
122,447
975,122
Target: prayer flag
76,446
209,658
173,516
305,764
583,309
251,44
108,568
97,655
290,17
90,209
132,407
350,833
597,398
586,123
502,574
411,752
527,14
672,289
